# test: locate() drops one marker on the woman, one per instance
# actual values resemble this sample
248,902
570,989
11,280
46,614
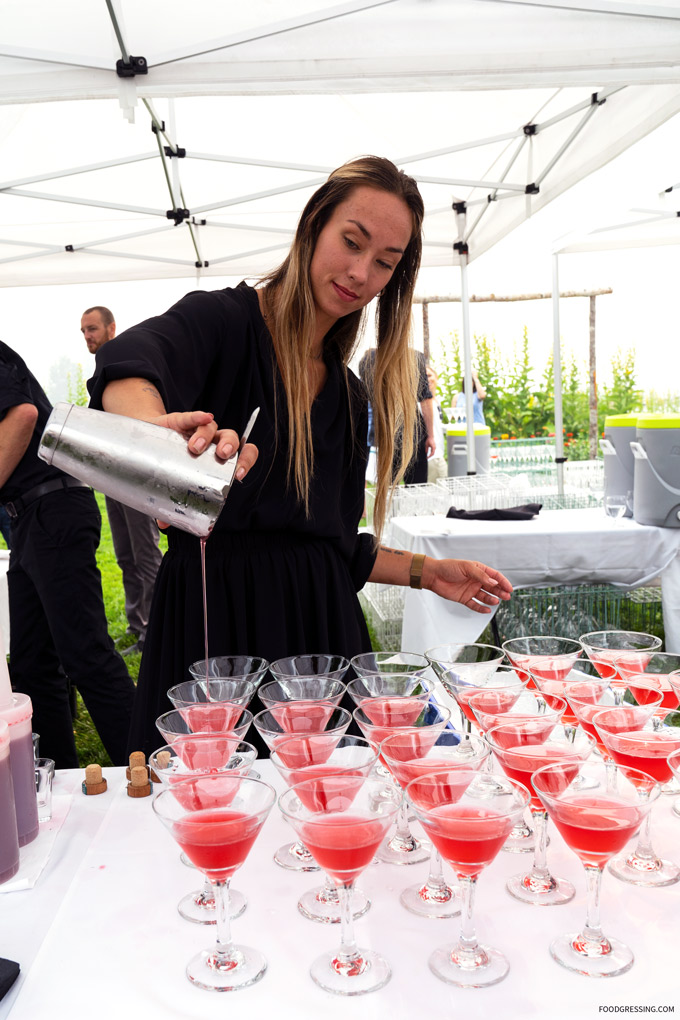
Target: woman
478,398
284,561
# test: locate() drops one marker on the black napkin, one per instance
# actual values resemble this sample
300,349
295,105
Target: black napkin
510,513
9,972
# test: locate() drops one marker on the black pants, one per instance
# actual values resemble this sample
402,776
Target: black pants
416,471
58,626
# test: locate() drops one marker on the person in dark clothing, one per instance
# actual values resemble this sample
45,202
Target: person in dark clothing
58,628
284,561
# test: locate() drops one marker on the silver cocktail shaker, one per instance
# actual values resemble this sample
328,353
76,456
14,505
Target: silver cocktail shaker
144,466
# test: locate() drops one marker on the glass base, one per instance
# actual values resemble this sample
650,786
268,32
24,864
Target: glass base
243,966
365,972
431,901
467,969
403,851
522,840
592,959
676,808
323,904
671,788
199,907
541,892
295,857
646,871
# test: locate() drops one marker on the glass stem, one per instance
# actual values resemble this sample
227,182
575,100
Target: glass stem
348,948
223,943
403,828
540,820
435,878
468,935
644,846
592,931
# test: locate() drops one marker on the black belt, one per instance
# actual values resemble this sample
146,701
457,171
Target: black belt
20,504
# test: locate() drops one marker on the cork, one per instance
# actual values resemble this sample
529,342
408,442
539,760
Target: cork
163,759
94,782
139,785
137,758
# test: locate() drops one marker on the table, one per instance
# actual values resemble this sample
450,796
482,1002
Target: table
557,547
99,934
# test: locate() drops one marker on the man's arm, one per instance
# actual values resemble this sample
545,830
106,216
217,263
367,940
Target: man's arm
16,430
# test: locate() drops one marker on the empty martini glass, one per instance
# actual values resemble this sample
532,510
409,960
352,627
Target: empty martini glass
596,820
410,753
403,847
230,667
521,748
645,746
342,819
543,655
319,717
310,665
216,819
632,648
468,816
194,755
397,663
473,662
323,754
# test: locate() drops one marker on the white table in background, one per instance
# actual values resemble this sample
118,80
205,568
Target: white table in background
556,547
100,936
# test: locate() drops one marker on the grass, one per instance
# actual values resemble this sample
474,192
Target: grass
88,744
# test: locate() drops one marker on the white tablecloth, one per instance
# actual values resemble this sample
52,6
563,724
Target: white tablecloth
99,935
557,547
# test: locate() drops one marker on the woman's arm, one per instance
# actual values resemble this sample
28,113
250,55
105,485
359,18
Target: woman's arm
466,581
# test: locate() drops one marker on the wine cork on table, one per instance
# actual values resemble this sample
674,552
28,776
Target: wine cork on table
94,782
139,785
137,760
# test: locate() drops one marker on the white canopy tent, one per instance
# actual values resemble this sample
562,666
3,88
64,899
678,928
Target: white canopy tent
145,138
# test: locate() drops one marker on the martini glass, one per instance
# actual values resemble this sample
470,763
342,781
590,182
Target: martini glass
497,706
589,696
633,648
396,663
323,754
674,680
300,697
596,820
394,699
342,819
473,662
216,819
403,847
658,671
311,665
521,749
543,655
230,667
313,718
468,815
645,746
409,754
211,704
204,719
194,755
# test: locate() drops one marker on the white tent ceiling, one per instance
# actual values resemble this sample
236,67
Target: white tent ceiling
263,108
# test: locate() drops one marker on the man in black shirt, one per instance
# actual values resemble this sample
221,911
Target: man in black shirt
58,625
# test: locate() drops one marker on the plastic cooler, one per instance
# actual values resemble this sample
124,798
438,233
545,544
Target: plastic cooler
619,465
656,450
456,449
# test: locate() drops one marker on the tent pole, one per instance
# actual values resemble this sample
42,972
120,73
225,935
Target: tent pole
557,378
461,247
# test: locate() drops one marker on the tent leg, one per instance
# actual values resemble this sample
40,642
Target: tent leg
557,374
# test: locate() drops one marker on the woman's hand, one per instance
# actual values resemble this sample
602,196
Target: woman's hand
466,581
200,429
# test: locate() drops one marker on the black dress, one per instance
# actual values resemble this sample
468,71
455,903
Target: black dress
279,582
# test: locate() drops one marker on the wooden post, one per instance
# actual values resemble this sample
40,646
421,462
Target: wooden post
592,375
426,332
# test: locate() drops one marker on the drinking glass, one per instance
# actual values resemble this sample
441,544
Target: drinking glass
461,687
468,815
291,697
474,662
615,505
411,753
521,748
642,744
342,819
204,719
194,755
674,762
657,671
596,820
491,707
415,713
590,696
397,663
634,648
544,655
215,819
311,665
230,667
322,754
313,718
211,704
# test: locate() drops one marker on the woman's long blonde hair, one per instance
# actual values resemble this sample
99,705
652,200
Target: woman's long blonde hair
290,313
